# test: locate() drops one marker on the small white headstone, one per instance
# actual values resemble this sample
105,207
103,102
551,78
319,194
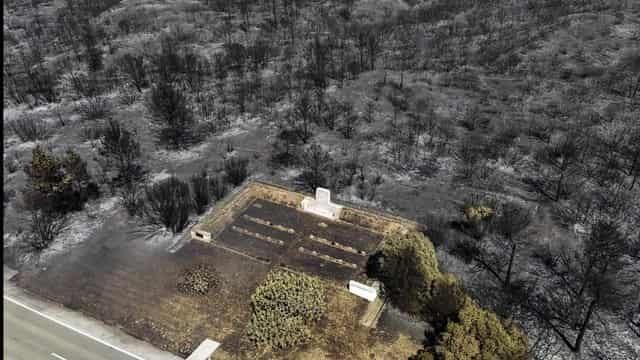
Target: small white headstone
323,196
362,290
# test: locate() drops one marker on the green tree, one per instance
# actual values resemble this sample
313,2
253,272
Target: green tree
408,267
446,298
478,335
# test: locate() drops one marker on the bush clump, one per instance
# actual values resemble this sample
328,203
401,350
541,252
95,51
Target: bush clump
284,307
478,214
59,184
198,280
168,203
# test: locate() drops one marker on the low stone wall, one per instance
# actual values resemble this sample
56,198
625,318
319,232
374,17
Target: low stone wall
376,222
225,211
276,194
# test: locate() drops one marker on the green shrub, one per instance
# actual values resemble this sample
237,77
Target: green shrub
422,355
59,184
284,307
446,299
477,215
198,279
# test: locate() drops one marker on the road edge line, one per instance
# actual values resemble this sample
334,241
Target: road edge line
16,302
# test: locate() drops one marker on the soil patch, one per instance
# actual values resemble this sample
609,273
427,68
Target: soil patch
135,288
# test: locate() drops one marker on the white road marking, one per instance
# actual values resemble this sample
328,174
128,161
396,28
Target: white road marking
72,328
57,356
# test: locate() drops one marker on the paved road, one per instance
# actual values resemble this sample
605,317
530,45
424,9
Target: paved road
29,335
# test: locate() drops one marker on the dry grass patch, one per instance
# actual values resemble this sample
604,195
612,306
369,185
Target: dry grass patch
340,335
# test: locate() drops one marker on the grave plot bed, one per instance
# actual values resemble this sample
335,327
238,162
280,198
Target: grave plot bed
280,215
307,224
313,265
258,225
136,289
348,235
251,244
356,259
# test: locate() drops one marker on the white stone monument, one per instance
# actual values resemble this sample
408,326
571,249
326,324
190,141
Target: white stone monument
322,205
362,290
204,350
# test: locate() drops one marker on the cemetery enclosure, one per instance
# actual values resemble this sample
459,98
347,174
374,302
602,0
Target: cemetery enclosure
253,231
